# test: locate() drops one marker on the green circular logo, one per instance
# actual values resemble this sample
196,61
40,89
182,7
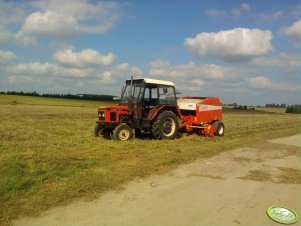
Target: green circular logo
282,215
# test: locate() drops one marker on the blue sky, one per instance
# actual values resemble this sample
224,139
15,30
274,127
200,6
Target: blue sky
241,51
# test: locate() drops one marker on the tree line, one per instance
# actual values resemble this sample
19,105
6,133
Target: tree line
95,97
296,109
276,105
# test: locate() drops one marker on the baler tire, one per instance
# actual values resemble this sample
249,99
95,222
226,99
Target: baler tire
123,132
169,120
220,128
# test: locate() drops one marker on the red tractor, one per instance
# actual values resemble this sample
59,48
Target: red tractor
149,106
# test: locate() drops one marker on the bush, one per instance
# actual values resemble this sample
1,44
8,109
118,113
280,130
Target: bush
244,107
296,109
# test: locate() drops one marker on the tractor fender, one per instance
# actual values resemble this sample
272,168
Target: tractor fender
158,109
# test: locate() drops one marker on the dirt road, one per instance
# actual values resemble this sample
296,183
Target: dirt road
233,188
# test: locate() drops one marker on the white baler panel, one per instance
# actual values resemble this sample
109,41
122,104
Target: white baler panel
205,107
188,104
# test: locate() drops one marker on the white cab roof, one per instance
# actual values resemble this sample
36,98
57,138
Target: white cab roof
160,82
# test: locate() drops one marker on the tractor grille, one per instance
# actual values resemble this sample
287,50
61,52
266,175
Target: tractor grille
112,116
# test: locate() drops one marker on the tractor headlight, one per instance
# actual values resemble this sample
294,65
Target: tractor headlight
101,115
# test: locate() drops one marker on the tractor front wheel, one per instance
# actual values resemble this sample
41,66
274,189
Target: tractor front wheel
100,131
220,128
123,132
165,126
97,130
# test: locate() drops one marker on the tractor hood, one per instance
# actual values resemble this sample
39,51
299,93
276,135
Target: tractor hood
113,108
111,113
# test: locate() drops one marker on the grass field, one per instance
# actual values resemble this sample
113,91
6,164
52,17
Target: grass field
13,99
49,157
258,110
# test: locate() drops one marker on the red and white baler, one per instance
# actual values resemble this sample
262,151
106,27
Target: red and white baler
202,115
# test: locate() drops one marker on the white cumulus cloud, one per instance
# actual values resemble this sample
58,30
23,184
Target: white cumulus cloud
15,79
237,45
25,40
245,7
294,33
84,58
224,81
272,17
119,72
47,69
236,12
51,23
5,35
71,72
192,71
197,79
63,19
35,68
266,83
122,67
289,63
6,56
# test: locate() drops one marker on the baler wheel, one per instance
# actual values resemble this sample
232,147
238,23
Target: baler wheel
220,128
166,126
123,132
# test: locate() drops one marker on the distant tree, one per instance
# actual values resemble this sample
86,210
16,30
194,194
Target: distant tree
295,109
283,105
273,105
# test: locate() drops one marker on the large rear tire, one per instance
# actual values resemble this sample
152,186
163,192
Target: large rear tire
220,128
123,132
165,126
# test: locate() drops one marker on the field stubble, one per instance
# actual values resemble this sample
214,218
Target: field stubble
48,155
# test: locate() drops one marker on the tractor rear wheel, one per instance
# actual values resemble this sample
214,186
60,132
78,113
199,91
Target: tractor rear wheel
166,126
123,132
220,128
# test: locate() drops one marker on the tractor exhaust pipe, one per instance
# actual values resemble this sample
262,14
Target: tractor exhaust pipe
130,101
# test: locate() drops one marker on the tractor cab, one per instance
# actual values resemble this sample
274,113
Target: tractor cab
142,95
146,106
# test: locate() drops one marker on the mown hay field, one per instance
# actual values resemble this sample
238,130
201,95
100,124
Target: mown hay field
49,156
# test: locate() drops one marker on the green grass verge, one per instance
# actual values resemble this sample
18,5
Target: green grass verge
49,157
